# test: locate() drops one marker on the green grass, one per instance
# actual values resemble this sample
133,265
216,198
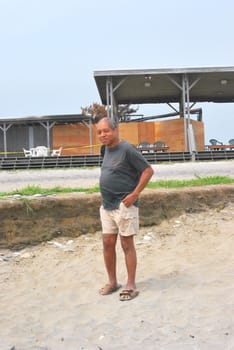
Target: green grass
33,190
198,181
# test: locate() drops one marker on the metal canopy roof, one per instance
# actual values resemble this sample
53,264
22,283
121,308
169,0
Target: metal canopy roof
211,84
56,119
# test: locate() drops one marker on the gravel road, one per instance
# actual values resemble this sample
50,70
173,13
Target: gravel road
88,177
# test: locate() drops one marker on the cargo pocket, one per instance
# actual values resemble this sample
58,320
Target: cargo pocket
128,220
127,213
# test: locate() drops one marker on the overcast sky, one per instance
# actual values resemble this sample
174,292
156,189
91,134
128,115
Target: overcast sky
50,49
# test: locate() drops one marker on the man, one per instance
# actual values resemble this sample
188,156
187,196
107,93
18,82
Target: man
124,174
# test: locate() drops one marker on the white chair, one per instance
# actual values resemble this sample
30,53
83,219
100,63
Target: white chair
33,152
56,152
41,151
27,153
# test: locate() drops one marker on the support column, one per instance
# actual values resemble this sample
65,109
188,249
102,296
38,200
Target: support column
48,126
111,103
110,100
182,87
184,95
89,126
31,136
4,128
184,107
191,144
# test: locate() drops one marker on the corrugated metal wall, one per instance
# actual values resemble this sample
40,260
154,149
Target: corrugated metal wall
24,136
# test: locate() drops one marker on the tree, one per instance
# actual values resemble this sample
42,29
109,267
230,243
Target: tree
97,112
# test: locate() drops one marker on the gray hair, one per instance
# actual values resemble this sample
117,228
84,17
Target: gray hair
112,123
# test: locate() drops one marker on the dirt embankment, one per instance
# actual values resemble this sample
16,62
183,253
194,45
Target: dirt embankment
31,221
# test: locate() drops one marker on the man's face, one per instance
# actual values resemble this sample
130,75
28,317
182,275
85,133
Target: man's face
106,135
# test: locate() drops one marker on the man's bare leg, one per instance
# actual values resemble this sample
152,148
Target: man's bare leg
130,260
109,254
129,292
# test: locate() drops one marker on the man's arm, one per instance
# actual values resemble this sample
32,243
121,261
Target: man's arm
144,179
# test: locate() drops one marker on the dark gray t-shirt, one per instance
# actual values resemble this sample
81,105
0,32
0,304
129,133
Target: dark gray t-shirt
120,172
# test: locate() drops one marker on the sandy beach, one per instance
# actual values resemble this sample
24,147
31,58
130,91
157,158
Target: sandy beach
49,293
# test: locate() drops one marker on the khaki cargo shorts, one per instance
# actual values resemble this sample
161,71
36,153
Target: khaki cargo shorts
123,220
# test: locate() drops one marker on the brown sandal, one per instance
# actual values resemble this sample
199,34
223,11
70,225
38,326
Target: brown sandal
128,294
108,289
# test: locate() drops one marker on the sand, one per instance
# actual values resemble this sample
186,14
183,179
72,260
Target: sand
49,293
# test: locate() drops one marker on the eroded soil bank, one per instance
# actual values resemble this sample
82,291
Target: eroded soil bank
36,219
